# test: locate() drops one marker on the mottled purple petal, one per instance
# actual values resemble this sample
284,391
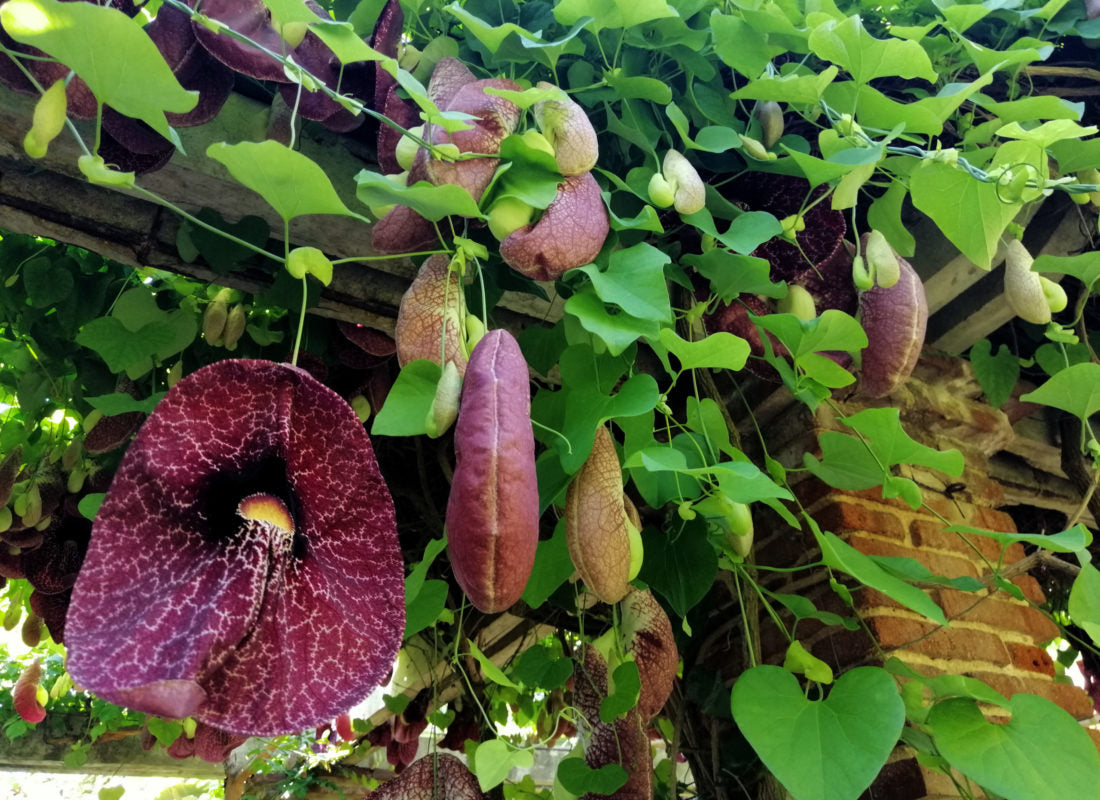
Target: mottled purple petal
281,630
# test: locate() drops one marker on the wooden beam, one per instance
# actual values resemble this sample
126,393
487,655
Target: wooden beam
50,198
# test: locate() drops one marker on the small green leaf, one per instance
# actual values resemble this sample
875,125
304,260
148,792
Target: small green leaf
794,88
304,261
625,686
491,670
997,374
1084,600
290,181
801,661
165,731
745,234
495,758
431,202
122,403
424,608
579,779
89,504
718,351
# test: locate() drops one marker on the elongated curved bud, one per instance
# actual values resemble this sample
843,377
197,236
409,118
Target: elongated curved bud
596,522
444,410
235,324
771,122
567,127
1023,289
647,636
882,261
214,318
493,508
48,120
799,302
24,694
691,192
895,320
1054,293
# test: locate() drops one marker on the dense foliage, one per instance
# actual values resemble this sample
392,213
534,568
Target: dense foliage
805,139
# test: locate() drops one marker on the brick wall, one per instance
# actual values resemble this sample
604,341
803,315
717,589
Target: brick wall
991,635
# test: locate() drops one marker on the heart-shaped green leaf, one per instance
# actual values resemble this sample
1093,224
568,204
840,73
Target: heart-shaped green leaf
1040,754
820,750
494,759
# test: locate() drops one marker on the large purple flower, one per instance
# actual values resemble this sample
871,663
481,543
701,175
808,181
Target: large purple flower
244,568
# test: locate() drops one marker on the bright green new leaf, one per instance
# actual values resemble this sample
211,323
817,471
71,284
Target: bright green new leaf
847,44
718,351
926,115
612,13
494,759
741,47
405,412
98,172
840,555
1048,133
634,281
579,779
1075,390
1084,600
431,202
794,89
997,374
625,686
491,670
884,215
968,211
801,661
134,79
165,731
89,504
290,181
1042,753
989,60
304,261
827,749
532,45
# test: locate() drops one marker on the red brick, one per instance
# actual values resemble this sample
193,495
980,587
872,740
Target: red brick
896,632
994,520
996,612
843,648
840,517
980,490
951,510
939,563
925,533
1031,658
1032,591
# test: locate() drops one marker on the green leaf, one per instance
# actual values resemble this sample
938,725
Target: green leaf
731,274
419,572
804,608
1068,541
130,75
219,252
718,351
801,661
495,758
968,211
432,202
1084,600
290,181
89,504
625,686
553,566
847,44
542,667
122,403
1042,753
612,13
829,749
491,670
133,352
424,609
740,46
579,779
617,330
909,569
165,731
1048,133
745,234
840,555
884,215
795,89
1085,267
681,566
997,374
635,281
47,282
405,412
944,686
1075,390
638,87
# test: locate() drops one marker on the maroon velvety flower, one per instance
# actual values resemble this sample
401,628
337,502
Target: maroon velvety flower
244,568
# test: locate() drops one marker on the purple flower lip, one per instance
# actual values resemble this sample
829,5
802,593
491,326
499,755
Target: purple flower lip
244,568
